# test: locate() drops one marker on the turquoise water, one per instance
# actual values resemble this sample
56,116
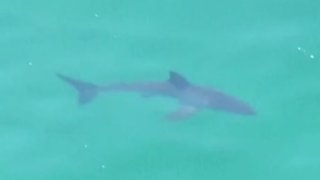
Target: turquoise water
264,52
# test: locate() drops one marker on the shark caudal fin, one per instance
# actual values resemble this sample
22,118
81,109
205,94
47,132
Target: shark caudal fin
87,91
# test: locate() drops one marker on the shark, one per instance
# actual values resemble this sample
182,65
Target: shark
192,97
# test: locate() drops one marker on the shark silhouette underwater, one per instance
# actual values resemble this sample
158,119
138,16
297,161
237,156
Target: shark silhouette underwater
192,97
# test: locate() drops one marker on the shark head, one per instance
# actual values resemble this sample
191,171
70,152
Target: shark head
203,97
230,104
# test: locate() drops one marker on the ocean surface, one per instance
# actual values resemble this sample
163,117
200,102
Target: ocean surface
263,52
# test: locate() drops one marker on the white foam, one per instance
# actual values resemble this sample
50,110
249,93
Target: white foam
312,56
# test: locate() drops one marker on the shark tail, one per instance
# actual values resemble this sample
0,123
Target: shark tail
86,91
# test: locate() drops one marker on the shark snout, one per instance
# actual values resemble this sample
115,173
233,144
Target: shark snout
235,106
243,109
248,111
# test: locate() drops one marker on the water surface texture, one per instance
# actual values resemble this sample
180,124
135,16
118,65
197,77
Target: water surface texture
264,52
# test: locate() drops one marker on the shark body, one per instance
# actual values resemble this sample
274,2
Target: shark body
191,97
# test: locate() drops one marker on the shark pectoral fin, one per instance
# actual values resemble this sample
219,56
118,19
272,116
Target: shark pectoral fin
182,113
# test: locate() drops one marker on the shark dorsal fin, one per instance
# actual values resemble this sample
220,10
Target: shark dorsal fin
178,81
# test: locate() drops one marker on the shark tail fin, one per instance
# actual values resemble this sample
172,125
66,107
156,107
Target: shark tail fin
87,91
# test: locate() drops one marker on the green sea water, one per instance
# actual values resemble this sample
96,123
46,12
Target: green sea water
263,52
